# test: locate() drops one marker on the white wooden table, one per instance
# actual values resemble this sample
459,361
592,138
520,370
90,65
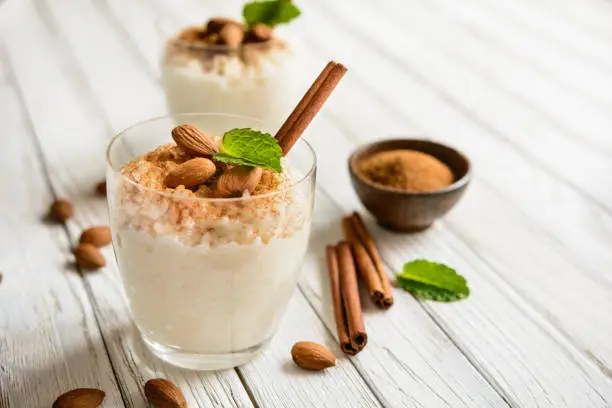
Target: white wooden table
524,87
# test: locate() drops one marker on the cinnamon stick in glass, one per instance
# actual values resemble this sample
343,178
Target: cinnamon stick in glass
368,243
345,293
310,104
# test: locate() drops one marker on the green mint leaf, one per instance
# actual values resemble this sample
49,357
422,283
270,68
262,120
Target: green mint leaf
271,13
224,158
251,148
432,281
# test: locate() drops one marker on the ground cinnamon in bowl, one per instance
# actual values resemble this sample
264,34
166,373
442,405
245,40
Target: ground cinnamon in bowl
407,170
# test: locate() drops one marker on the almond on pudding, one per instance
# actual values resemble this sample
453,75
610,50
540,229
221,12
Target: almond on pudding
231,66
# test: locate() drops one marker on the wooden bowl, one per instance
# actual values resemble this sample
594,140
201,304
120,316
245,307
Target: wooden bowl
404,211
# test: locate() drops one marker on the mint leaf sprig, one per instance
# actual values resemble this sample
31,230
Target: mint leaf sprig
250,148
432,281
270,13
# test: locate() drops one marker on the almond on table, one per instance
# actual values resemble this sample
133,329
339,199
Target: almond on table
80,398
162,393
61,210
88,256
98,236
312,356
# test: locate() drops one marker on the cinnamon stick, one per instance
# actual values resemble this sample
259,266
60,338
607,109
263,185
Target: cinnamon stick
369,274
365,266
368,243
350,300
299,109
339,314
310,104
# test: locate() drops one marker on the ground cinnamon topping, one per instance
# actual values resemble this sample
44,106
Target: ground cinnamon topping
407,170
180,215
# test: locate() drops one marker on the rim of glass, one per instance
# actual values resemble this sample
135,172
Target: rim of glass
293,185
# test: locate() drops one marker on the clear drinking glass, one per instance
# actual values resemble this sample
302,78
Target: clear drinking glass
207,278
261,80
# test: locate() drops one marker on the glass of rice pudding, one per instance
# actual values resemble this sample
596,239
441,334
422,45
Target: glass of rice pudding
231,66
209,250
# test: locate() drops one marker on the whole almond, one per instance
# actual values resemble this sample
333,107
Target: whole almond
235,181
98,236
261,32
194,141
162,393
89,256
80,398
215,24
61,210
312,356
101,188
231,35
191,173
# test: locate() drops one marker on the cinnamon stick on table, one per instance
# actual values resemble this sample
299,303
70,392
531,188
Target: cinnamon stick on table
309,105
345,294
376,280
365,266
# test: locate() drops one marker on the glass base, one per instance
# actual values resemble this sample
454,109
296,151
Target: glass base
203,362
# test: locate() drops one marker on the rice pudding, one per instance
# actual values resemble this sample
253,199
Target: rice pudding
253,73
208,273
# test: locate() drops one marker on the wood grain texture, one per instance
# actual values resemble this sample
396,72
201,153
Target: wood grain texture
50,342
466,92
538,97
562,67
73,136
593,19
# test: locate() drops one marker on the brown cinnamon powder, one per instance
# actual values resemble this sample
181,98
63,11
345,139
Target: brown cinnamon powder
407,170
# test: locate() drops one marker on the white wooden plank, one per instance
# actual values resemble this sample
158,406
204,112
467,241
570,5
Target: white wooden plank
592,17
467,93
73,138
275,381
398,101
49,342
559,62
518,350
533,92
558,34
454,380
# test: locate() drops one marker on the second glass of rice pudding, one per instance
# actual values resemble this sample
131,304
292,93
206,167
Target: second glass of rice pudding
226,65
208,272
